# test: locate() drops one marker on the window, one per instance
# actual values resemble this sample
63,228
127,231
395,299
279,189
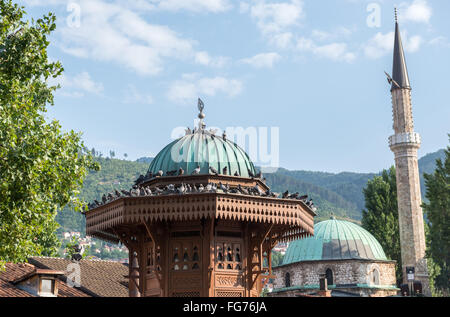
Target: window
47,287
188,253
228,256
287,279
329,276
375,277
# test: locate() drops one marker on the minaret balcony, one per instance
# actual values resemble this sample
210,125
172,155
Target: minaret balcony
409,138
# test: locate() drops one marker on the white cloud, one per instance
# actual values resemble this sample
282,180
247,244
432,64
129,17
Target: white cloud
78,85
264,60
383,44
191,86
244,7
203,58
133,96
418,11
281,40
114,31
336,33
214,6
440,41
275,17
334,51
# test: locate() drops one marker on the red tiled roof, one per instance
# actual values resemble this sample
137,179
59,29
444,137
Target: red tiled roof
99,278
15,272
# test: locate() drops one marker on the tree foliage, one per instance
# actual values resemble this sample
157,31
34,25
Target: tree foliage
380,217
437,210
41,167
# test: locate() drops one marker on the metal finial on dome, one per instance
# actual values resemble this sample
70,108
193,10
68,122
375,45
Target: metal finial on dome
396,15
201,115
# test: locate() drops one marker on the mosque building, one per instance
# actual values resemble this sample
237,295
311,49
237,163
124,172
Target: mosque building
348,256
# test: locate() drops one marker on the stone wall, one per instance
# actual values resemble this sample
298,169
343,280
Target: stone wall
345,272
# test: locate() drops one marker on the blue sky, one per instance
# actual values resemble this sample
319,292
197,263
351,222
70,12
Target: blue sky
314,69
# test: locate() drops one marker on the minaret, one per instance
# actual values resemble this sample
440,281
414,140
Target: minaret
405,143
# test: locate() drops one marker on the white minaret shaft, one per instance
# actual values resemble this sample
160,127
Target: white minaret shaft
405,143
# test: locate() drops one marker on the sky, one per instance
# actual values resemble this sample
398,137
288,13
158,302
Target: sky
312,71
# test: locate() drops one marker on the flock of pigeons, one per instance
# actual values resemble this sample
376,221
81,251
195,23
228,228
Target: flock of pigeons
182,189
171,189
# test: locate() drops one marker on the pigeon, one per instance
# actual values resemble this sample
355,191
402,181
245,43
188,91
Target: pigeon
236,174
158,190
148,191
117,193
188,131
125,192
181,189
223,188
140,179
104,199
285,194
234,191
294,196
213,170
196,171
97,203
303,197
208,187
142,192
224,136
188,188
170,188
160,173
213,187
225,170
201,188
149,175
259,175
134,192
257,191
110,197
171,173
242,190
181,171
251,174
309,203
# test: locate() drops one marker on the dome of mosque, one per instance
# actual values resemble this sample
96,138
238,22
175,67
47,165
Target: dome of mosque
203,149
335,240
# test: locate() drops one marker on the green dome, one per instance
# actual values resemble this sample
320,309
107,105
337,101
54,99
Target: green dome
335,240
202,149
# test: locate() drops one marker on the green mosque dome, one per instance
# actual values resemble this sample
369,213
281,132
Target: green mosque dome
204,149
335,240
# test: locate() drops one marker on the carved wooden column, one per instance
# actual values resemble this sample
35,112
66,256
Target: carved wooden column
134,275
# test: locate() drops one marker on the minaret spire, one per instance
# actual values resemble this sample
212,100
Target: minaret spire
405,143
399,70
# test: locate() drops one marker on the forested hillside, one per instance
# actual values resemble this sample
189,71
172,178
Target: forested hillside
114,174
340,194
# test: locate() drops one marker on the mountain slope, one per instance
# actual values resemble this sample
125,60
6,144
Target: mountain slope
340,194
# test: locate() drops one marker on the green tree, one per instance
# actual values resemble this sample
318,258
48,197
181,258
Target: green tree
381,215
437,211
41,167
